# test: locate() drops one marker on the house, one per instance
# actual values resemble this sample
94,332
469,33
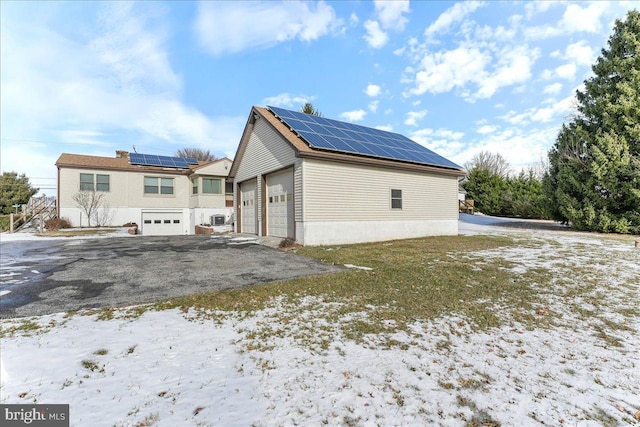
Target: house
163,195
322,181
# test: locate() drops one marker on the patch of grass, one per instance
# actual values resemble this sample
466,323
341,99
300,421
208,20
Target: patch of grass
24,326
92,366
101,352
415,279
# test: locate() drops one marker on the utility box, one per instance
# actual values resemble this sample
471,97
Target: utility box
217,219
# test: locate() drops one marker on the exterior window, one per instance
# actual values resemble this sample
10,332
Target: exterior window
102,182
150,185
396,199
211,186
86,182
194,183
228,187
166,186
153,185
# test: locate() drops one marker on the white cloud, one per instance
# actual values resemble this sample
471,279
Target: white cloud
454,14
287,100
514,66
552,89
373,106
230,27
535,7
587,19
445,142
580,53
375,37
566,71
353,19
353,116
372,90
414,116
116,88
444,70
390,13
486,129
550,111
388,128
575,19
553,111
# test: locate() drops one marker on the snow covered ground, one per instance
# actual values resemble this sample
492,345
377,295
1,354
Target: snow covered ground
171,368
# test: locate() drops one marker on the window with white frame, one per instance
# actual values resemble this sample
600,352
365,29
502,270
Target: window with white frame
211,186
194,184
87,182
155,185
102,182
396,199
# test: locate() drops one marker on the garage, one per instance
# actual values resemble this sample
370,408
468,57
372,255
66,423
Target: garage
168,223
248,206
280,221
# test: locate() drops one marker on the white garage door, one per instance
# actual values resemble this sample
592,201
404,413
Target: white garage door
162,223
248,207
280,204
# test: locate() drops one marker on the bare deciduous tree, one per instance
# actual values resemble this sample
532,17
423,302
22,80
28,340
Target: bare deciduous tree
491,162
89,201
196,153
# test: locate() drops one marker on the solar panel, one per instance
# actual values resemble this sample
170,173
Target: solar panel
161,161
333,135
191,160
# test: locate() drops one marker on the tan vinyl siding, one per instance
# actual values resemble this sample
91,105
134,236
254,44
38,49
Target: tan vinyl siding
126,189
266,152
297,190
343,192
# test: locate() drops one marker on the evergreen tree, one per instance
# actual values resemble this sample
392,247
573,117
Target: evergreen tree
14,189
308,108
594,176
486,189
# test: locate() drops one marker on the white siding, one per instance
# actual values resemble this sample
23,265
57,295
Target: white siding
344,192
125,199
344,203
266,151
297,190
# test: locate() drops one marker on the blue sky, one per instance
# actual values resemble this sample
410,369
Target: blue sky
459,78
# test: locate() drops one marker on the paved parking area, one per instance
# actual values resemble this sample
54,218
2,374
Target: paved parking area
50,276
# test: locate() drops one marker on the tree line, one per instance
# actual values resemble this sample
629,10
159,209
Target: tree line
592,179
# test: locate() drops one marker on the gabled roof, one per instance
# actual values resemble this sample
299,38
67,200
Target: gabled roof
80,161
302,149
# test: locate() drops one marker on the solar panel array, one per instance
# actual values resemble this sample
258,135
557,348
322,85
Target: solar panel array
333,135
162,161
191,160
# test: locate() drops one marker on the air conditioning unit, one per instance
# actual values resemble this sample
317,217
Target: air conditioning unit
217,219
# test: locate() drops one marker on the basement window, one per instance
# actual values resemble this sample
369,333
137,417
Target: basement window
396,199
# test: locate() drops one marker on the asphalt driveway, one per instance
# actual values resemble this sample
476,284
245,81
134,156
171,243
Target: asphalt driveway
43,277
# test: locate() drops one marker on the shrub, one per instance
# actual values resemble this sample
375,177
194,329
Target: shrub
287,243
4,223
57,223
